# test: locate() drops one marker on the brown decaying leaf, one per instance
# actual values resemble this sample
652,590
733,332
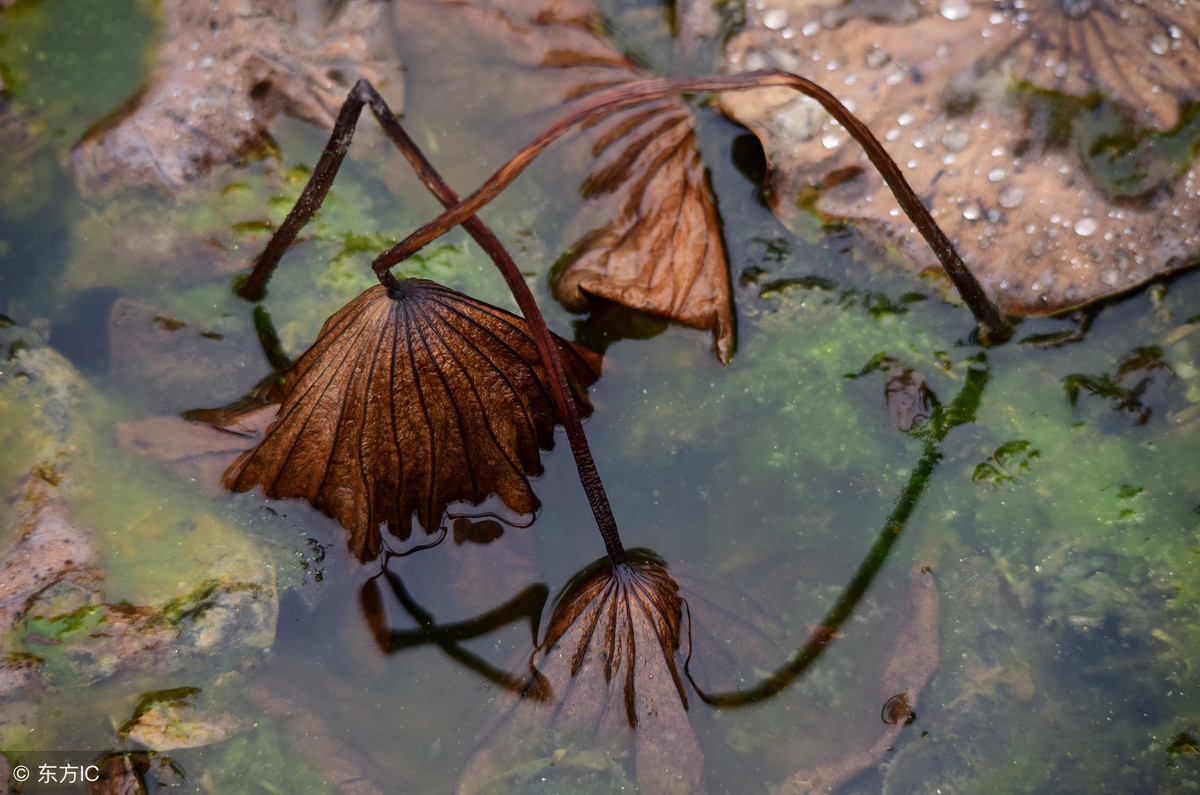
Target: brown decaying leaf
121,773
908,399
225,70
610,658
936,81
648,235
658,249
618,628
409,401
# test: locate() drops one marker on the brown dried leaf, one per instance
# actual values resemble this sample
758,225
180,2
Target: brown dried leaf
658,249
648,235
122,773
407,402
956,90
610,658
225,70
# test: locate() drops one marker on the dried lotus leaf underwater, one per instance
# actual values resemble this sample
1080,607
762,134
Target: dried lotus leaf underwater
610,658
1015,123
410,399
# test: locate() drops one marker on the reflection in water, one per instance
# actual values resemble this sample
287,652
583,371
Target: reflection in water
612,668
527,604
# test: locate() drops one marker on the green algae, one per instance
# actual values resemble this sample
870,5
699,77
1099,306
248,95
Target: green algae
67,63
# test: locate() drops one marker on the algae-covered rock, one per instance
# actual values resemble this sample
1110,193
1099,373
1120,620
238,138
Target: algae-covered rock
186,717
130,587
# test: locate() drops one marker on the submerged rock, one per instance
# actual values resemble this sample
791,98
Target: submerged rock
224,71
64,618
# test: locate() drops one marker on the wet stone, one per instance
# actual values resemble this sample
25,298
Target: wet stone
957,105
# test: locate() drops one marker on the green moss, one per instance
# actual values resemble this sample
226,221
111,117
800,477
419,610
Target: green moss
68,63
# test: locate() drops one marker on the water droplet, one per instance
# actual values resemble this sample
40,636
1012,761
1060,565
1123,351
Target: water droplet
1011,197
956,140
996,175
811,28
972,212
1086,227
904,119
775,19
831,140
954,9
1159,44
877,58
1075,9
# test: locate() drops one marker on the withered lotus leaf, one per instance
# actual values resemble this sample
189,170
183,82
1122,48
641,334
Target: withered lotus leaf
411,398
618,619
616,630
609,656
659,249
648,236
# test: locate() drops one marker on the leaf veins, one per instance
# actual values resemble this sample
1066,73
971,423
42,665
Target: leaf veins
409,400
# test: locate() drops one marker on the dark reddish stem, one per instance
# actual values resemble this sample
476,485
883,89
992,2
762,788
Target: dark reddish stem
993,326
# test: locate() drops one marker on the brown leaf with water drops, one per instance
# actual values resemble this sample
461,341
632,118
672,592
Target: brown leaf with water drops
610,658
1046,137
409,400
647,236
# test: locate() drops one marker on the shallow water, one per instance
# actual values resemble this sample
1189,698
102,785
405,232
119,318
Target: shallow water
1063,534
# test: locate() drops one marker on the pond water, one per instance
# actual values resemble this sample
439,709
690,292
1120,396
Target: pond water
1055,506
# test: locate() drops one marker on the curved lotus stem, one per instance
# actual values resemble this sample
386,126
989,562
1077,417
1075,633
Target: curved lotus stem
993,327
